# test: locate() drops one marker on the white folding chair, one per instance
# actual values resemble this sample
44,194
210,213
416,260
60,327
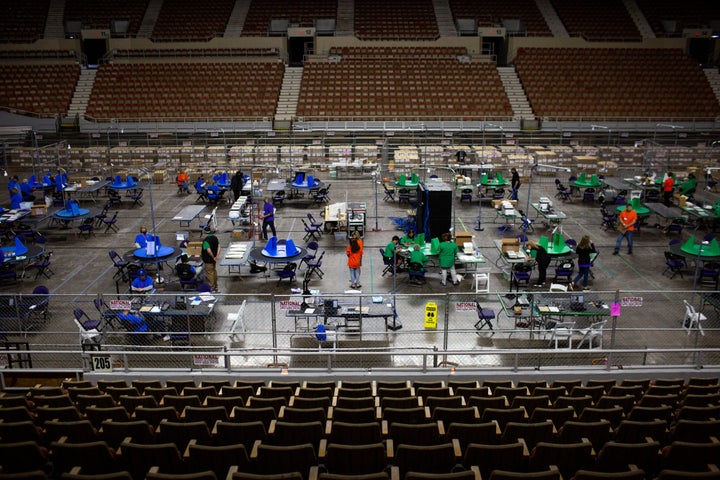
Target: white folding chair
693,319
591,333
563,331
558,287
482,280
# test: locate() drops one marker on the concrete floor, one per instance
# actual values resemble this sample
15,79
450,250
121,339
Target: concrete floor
82,266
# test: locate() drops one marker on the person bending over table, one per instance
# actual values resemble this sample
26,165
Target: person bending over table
417,256
185,270
626,227
689,186
27,191
584,249
667,186
446,258
143,283
542,258
133,322
408,239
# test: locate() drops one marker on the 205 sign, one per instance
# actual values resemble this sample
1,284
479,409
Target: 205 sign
101,364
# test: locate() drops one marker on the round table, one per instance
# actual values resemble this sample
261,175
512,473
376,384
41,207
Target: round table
677,249
66,219
130,256
33,251
256,254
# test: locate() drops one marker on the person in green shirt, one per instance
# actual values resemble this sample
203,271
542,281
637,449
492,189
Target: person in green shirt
417,256
390,251
408,239
446,258
689,186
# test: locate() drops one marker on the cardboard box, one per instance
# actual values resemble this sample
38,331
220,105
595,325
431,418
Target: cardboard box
240,234
194,249
38,210
510,244
462,237
498,203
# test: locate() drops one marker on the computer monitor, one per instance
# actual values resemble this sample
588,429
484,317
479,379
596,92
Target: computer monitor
576,298
180,302
330,306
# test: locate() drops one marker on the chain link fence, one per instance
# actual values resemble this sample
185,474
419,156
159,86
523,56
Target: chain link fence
356,331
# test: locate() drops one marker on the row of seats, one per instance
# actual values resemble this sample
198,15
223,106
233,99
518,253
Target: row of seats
22,21
385,52
19,80
689,14
259,15
606,21
100,13
490,11
400,20
194,52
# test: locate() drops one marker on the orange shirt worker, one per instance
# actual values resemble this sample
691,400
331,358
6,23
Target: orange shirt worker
626,226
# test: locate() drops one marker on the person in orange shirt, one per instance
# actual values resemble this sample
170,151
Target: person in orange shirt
667,186
354,253
182,182
626,227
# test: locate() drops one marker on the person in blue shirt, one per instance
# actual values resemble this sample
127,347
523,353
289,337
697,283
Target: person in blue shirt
27,191
15,198
200,184
60,180
134,322
268,218
142,238
14,182
143,283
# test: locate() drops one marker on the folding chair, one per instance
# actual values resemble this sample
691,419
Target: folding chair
211,224
485,317
389,193
310,231
110,223
42,266
137,198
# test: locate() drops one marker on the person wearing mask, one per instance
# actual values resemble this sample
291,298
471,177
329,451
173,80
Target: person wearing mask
542,258
200,184
143,283
626,226
354,252
417,256
584,251
15,198
268,218
142,238
236,184
667,186
210,255
446,258
390,252
514,184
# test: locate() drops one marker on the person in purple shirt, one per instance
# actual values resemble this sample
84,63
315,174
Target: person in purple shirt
268,218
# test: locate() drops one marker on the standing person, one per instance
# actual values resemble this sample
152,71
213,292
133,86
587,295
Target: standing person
236,184
514,184
542,258
584,249
354,252
210,255
15,198
626,227
446,258
667,186
268,218
182,182
14,182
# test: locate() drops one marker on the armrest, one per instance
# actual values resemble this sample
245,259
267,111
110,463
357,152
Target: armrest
394,473
254,451
390,448
457,450
271,429
186,453
231,470
314,473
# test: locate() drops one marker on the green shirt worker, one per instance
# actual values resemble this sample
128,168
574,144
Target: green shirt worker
408,239
446,258
689,186
390,251
417,256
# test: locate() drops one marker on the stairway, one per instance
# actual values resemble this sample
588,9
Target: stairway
551,18
81,95
640,21
714,79
345,18
516,94
444,18
289,95
237,18
151,15
55,25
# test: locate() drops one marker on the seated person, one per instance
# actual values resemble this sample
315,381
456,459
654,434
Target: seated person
142,238
408,239
688,187
27,191
143,283
390,251
133,322
185,270
200,184
417,256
